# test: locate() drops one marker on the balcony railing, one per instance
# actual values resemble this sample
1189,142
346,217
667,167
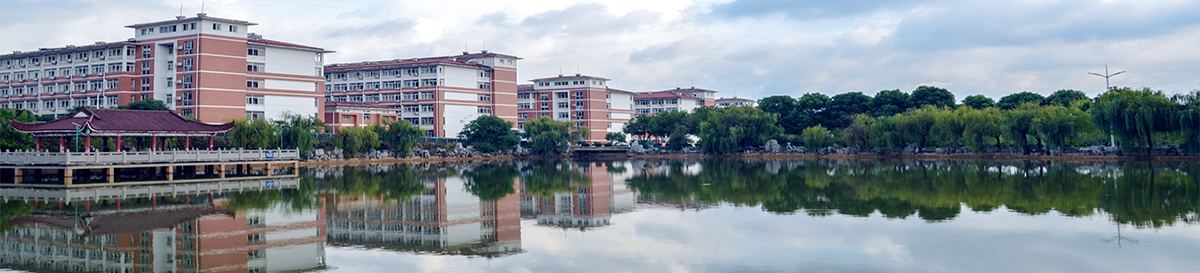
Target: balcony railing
144,157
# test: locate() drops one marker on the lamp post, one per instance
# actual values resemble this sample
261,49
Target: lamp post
77,129
276,133
1112,140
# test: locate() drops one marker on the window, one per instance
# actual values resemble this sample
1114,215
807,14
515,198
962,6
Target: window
255,115
80,70
366,117
523,106
233,28
188,47
545,106
185,98
562,105
523,96
254,83
255,67
522,115
562,115
164,29
485,110
561,95
254,51
486,98
254,99
187,64
485,86
186,81
579,124
426,95
216,26
145,84
145,51
146,68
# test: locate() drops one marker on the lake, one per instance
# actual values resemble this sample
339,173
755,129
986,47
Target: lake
629,216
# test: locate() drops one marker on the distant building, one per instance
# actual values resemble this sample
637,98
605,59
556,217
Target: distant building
346,114
678,99
735,101
583,100
439,94
194,64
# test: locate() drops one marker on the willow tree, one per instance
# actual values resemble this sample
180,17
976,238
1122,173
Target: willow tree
1061,126
253,134
399,136
733,129
1134,116
983,125
1019,122
298,131
1189,119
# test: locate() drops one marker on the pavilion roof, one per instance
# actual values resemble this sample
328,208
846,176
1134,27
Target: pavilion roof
124,122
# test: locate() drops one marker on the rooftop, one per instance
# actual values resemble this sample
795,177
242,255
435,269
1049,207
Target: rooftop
734,99
576,76
461,60
355,104
113,122
660,95
199,16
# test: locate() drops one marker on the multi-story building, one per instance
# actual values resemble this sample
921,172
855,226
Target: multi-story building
678,99
348,114
591,206
210,68
439,94
585,100
735,101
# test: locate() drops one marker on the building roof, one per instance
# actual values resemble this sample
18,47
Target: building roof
734,99
460,60
355,104
486,54
285,44
124,122
199,16
614,90
689,89
576,76
70,48
660,95
126,222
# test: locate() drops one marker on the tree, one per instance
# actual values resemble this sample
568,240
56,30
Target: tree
1019,122
1065,97
917,124
253,134
786,107
147,104
614,137
11,139
489,134
810,111
858,133
734,129
817,137
844,106
890,102
678,139
399,136
978,101
929,95
983,125
1134,116
1061,125
1014,100
356,140
550,136
1189,119
949,125
298,131
491,182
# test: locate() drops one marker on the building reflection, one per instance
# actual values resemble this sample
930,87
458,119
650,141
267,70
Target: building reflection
585,205
181,229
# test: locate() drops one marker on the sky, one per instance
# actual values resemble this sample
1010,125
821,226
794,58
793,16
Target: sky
743,48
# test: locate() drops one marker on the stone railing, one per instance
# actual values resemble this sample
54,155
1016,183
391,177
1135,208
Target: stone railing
109,193
24,158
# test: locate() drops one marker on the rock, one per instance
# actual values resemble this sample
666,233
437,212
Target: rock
636,148
910,149
773,146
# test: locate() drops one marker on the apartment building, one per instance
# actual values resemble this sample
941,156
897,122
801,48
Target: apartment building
439,94
735,101
210,68
584,100
678,99
348,114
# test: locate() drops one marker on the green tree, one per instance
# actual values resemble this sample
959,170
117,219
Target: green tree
489,134
299,131
949,125
844,106
929,95
734,129
1189,119
148,104
1134,116
1014,100
356,140
810,111
890,102
1061,126
817,137
785,107
1019,122
1065,97
983,125
549,136
886,134
253,134
491,182
614,137
11,139
978,101
399,136
917,124
858,134
678,139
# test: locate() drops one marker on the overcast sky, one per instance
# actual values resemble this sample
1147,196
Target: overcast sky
747,48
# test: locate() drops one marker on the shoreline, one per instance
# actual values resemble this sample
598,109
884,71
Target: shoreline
780,156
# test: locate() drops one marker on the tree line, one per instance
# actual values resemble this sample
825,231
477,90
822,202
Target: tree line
1139,119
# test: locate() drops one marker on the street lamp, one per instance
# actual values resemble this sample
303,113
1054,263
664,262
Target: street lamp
77,129
1112,140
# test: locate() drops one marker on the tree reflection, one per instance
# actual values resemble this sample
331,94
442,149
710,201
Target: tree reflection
1142,194
545,178
491,182
398,183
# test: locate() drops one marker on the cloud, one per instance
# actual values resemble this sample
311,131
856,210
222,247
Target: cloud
385,29
810,10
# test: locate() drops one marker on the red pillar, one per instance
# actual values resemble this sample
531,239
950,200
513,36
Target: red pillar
37,144
87,205
118,204
87,144
118,143
210,143
153,201
62,144
153,143
187,143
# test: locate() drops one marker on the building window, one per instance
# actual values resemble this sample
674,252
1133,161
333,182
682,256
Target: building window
255,67
366,117
233,28
186,98
254,51
145,51
522,115
487,98
254,99
188,47
186,81
254,114
485,110
216,26
187,64
254,83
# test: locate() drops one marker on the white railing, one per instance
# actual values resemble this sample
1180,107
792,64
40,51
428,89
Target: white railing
144,157
124,192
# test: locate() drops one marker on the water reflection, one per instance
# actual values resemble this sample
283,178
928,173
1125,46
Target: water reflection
244,226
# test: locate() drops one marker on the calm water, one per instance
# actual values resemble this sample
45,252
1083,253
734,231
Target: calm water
631,216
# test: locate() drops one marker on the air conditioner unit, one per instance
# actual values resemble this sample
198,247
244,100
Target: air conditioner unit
70,60
178,82
101,57
178,64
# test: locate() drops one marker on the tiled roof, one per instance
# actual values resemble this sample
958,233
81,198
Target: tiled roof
486,54
620,91
124,121
285,44
576,76
733,99
398,62
660,95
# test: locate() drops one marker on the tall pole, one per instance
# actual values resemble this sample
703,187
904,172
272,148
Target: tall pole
1112,140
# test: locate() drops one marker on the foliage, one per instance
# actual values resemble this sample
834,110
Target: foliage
491,182
1189,119
733,129
614,137
546,178
489,134
399,136
817,137
983,126
1019,122
787,109
253,134
550,136
11,139
1134,116
1015,100
298,131
917,124
147,104
844,106
929,95
1061,126
1064,97
978,101
356,140
398,184
678,139
890,102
